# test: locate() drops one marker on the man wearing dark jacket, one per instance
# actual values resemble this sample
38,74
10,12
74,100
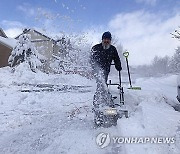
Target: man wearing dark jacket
101,58
103,54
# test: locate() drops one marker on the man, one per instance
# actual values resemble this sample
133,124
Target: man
101,58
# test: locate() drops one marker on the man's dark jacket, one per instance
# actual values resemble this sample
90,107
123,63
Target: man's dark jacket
103,57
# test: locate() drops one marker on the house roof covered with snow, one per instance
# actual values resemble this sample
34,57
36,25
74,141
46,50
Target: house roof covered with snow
9,42
37,32
2,33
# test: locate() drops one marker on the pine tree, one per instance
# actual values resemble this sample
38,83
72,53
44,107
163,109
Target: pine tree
160,65
25,52
175,62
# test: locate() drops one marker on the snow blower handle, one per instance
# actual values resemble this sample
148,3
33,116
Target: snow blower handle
120,82
121,91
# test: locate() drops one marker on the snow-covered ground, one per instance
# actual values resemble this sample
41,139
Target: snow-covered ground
61,121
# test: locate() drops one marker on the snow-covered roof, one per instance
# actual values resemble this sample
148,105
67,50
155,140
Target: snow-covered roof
10,42
2,33
35,31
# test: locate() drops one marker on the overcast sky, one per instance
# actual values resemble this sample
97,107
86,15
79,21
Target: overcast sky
142,26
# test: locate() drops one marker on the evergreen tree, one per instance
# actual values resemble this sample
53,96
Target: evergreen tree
175,62
25,52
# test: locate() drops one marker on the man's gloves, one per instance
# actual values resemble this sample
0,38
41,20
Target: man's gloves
119,68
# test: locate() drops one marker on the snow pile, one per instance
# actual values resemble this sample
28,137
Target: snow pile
159,85
24,75
152,115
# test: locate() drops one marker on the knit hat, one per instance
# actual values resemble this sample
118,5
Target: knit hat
106,35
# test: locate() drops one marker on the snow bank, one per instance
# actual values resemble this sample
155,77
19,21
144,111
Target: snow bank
165,85
23,74
170,80
151,115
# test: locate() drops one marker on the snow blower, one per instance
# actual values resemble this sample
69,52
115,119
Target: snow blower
126,55
108,115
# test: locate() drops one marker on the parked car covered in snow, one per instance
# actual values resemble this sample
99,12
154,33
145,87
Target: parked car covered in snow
178,88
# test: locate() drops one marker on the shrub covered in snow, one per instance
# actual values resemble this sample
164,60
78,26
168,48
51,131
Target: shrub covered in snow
25,52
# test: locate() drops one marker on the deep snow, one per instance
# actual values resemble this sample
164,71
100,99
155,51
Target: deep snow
62,121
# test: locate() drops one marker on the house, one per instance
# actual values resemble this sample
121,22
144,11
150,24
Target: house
6,46
44,45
